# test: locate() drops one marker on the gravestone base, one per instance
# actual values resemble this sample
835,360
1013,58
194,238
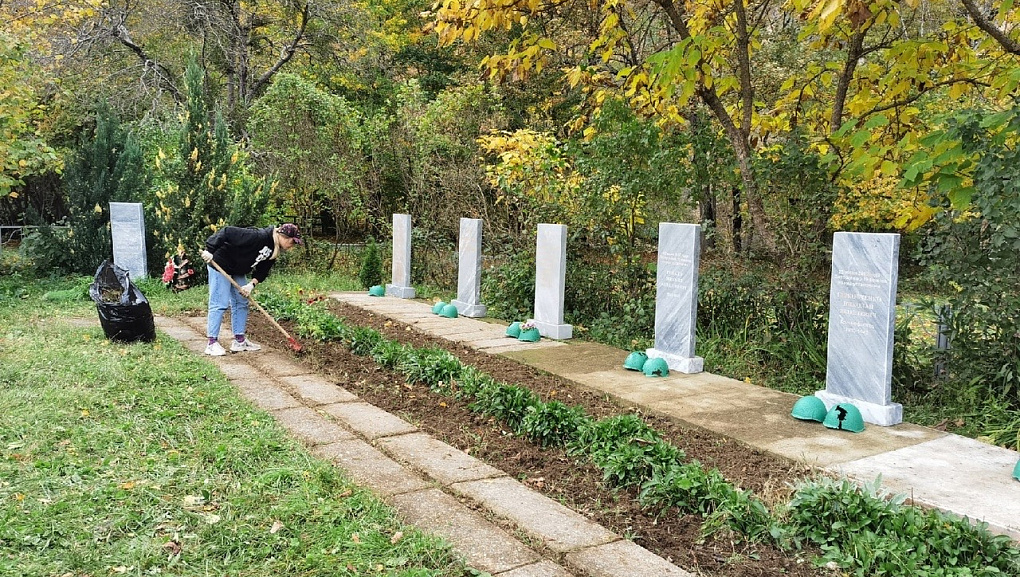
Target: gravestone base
469,310
553,331
686,365
874,413
401,292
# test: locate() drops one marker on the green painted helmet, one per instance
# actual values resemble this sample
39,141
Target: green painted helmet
377,291
809,408
635,361
532,335
438,307
845,417
449,311
514,330
655,368
1016,471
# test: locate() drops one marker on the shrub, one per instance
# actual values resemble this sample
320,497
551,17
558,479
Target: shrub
370,274
974,252
510,286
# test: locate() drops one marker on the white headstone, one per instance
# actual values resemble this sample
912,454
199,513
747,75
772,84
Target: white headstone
550,281
676,297
401,285
862,318
469,273
127,227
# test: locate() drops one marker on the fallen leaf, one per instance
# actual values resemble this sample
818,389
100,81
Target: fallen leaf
355,538
277,525
173,548
211,518
127,486
396,537
193,501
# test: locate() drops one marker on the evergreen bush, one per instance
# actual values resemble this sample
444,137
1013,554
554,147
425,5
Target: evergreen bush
371,273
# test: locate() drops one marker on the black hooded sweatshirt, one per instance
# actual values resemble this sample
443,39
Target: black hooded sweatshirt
243,250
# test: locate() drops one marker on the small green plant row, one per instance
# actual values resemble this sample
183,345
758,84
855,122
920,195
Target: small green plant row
859,529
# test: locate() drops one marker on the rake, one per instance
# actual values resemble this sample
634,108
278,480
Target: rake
294,345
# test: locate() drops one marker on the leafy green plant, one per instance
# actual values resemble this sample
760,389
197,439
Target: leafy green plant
391,354
635,460
316,323
599,439
361,340
508,403
552,423
470,381
864,530
688,487
435,367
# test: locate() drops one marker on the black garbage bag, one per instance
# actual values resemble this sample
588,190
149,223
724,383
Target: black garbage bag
124,312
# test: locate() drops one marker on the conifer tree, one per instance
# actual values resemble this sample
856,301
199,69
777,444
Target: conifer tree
371,265
107,167
204,184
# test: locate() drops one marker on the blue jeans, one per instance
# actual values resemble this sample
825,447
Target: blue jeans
223,295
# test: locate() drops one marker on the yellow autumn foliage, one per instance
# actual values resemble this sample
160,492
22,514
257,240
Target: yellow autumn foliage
880,204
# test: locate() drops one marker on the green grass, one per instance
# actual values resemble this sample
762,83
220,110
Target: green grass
141,459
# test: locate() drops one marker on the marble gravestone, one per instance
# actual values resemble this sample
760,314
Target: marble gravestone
862,318
127,228
676,297
401,285
469,273
550,281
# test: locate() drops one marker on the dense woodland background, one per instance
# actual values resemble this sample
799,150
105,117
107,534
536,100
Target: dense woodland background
772,124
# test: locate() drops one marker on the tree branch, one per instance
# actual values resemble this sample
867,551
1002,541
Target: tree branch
164,78
984,23
285,55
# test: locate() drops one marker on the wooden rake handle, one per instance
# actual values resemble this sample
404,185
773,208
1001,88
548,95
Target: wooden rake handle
293,343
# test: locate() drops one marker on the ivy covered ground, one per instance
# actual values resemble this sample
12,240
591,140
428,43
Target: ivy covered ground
574,482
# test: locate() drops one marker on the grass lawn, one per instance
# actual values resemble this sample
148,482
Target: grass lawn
141,459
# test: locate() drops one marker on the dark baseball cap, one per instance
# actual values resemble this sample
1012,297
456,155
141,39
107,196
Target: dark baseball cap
291,231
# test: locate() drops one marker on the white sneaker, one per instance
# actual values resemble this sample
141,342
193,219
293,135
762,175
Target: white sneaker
247,345
215,350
